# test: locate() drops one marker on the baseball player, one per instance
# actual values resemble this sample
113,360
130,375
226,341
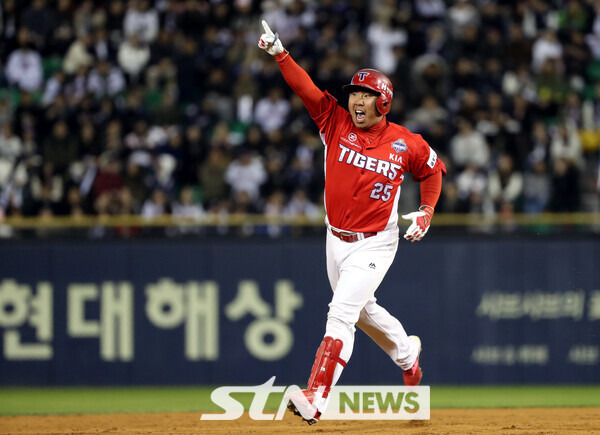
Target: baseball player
366,158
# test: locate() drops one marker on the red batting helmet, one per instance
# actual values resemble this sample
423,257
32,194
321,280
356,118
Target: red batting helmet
375,81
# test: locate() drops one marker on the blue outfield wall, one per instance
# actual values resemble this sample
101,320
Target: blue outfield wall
225,312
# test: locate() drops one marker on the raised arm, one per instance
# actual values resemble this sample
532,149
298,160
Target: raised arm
315,100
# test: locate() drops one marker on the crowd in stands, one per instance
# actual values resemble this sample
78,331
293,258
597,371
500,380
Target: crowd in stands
157,107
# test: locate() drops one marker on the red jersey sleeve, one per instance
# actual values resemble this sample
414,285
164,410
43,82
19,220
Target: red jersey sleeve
320,104
424,160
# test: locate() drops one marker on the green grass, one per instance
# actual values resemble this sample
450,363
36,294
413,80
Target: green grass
514,396
29,401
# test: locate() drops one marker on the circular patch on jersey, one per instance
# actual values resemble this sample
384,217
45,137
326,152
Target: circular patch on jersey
352,137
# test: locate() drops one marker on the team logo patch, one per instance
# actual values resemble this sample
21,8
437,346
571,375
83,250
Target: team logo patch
399,145
351,137
362,75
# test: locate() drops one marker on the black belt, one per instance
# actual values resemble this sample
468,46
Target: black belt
350,237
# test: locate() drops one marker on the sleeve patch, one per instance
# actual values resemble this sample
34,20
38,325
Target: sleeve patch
432,158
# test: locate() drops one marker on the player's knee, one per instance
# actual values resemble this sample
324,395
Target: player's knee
344,312
340,321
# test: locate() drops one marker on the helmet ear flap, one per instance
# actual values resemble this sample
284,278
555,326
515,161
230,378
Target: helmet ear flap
383,105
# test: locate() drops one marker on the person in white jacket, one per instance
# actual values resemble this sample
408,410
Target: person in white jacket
78,54
133,56
246,174
142,20
24,65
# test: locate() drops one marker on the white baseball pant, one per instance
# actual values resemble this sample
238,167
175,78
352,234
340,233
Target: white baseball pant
355,271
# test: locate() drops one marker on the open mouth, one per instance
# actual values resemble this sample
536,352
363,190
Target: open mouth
360,115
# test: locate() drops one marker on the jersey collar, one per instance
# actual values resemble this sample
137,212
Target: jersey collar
372,133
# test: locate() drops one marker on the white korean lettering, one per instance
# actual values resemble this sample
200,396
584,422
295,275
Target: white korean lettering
249,301
115,324
19,307
169,304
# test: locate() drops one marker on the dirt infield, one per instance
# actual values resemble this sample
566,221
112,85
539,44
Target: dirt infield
444,421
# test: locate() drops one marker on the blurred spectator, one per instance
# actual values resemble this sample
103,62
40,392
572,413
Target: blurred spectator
141,20
493,123
301,206
246,174
6,111
133,56
55,86
24,65
566,144
105,80
430,10
115,15
577,54
165,166
383,37
9,25
573,17
547,46
429,77
73,204
162,75
505,185
79,54
552,85
47,189
468,147
536,187
60,148
275,205
11,147
62,30
102,47
84,17
109,178
565,192
471,186
212,177
242,203
167,113
186,206
156,206
135,179
38,19
89,144
272,111
428,113
462,14
189,64
517,50
437,138
437,40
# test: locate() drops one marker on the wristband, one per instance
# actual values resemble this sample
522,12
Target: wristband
281,56
424,208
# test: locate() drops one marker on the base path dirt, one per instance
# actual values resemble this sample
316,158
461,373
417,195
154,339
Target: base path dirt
443,421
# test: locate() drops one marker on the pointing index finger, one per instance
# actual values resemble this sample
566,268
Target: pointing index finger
268,30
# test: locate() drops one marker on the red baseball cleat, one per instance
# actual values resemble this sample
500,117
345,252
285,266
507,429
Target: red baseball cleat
414,374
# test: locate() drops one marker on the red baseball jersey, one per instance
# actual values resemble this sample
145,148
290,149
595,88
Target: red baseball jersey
364,168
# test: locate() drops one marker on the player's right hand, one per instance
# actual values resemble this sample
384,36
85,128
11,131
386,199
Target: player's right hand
269,41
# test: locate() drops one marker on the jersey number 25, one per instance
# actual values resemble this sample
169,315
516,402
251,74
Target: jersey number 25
381,191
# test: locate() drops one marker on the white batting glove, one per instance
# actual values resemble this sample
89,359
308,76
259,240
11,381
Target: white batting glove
269,41
420,223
